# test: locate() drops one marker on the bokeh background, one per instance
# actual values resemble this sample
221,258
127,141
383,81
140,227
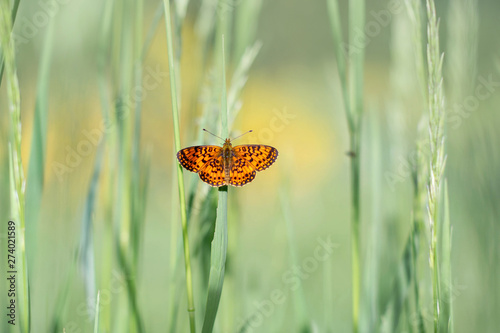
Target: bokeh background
292,100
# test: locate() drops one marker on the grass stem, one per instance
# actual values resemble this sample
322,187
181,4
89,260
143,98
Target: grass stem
352,92
219,243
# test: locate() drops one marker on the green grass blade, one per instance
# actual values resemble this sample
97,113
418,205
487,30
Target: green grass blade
414,9
109,143
357,57
371,280
152,30
124,60
420,178
180,179
131,285
403,280
36,167
301,317
461,46
421,172
138,198
217,263
15,7
86,251
61,307
445,267
219,243
175,246
247,16
328,296
405,277
96,314
239,80
352,88
333,11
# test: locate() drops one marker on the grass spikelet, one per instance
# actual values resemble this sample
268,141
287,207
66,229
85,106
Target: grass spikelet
437,154
17,179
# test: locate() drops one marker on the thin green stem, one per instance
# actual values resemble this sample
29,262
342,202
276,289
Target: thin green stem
180,178
333,10
352,92
356,279
356,69
223,115
219,243
419,201
96,314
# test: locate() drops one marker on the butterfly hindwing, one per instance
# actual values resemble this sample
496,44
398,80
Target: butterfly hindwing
194,158
241,172
213,172
260,157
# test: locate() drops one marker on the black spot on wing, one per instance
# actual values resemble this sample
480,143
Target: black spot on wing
184,159
212,173
260,156
241,173
196,157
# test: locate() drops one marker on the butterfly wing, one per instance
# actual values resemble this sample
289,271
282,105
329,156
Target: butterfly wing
194,158
212,172
241,172
260,157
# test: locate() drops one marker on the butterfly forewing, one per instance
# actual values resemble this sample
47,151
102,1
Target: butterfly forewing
260,157
194,158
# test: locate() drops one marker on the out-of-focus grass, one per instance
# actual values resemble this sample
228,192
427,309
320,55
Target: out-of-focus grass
17,181
288,103
174,91
437,158
36,168
350,64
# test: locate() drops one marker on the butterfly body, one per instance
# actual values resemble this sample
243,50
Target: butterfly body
227,165
227,160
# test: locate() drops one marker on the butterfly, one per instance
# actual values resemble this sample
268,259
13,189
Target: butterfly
227,165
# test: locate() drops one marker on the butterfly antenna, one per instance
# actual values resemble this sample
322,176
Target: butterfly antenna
213,134
239,136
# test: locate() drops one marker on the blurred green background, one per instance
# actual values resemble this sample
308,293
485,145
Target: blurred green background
292,101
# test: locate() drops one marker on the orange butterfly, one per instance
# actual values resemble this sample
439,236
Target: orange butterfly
227,165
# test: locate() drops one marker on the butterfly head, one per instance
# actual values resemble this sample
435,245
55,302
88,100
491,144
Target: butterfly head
227,148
